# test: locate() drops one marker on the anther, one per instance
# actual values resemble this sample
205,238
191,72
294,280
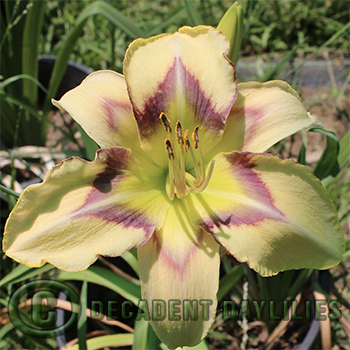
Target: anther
179,136
195,137
187,143
178,181
165,122
169,149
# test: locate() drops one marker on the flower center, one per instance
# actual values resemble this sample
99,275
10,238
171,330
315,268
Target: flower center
179,181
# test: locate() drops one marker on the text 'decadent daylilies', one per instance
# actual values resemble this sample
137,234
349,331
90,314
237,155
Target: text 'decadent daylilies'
179,174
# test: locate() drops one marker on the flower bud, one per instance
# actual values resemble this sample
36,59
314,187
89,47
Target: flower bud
231,24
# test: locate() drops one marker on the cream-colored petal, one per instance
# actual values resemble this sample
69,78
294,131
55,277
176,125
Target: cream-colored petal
263,114
85,209
272,213
100,104
179,271
185,75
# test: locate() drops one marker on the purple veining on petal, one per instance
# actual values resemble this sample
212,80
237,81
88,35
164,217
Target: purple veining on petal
113,110
121,214
205,111
148,118
254,188
250,117
116,160
181,263
253,118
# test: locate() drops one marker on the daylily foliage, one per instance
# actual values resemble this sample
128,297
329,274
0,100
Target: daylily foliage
179,174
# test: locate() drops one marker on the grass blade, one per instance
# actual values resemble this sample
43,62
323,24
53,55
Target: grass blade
193,15
229,280
107,341
344,155
15,78
9,191
145,338
108,279
328,163
82,326
30,53
22,273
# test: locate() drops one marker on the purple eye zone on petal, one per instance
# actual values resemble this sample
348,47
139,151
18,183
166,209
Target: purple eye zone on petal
116,160
179,267
121,214
242,167
113,108
203,108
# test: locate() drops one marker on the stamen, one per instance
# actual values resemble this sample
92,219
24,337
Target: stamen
180,140
165,122
176,175
187,143
196,141
171,188
205,183
169,149
200,176
179,137
195,137
178,181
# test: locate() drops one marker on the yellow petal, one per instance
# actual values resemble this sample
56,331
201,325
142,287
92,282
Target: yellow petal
185,75
85,209
179,271
263,114
100,104
270,212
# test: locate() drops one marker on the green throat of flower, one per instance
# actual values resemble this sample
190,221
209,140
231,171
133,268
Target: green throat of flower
179,181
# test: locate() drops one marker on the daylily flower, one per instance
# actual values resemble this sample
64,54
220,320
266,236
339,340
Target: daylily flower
177,178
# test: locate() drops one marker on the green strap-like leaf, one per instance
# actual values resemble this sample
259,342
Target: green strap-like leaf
9,191
229,280
82,326
15,78
328,163
302,154
131,259
145,338
107,341
22,273
193,15
344,152
108,279
30,53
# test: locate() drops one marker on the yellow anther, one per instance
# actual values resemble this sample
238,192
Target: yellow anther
179,136
165,122
195,137
187,142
